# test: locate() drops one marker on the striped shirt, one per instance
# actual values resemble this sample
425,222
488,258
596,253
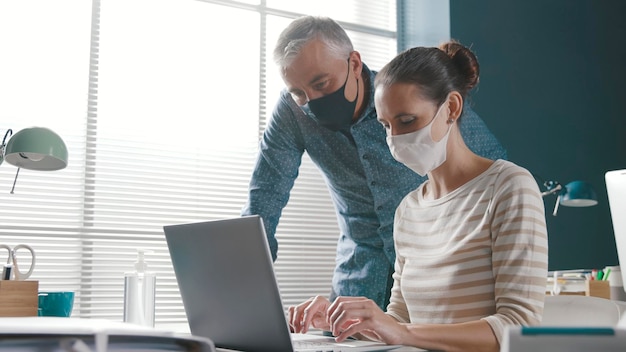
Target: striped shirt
479,252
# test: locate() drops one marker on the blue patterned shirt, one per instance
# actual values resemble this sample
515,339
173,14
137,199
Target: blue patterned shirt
365,182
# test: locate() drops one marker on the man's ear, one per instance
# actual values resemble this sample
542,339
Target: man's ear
355,63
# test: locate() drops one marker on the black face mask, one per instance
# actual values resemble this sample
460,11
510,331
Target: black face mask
333,111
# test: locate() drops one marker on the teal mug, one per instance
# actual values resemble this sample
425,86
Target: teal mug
56,303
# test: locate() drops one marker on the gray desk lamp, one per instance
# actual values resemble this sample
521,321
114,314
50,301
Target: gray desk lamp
574,194
35,148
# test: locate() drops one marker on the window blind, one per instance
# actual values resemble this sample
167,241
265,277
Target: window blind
161,104
43,69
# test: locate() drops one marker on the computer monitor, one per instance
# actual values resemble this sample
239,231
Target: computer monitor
616,190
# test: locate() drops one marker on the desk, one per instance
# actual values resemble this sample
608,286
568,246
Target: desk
401,349
184,329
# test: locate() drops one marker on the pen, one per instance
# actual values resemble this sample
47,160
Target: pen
600,274
606,273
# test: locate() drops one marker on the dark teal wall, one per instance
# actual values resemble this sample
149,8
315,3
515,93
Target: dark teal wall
552,89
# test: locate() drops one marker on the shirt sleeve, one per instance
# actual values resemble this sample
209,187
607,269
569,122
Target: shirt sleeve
478,137
397,307
519,251
277,165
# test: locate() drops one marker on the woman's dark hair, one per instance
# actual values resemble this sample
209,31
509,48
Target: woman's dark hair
437,71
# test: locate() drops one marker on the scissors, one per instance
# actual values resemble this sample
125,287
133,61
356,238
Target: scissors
12,259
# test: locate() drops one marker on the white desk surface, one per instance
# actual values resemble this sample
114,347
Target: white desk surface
184,328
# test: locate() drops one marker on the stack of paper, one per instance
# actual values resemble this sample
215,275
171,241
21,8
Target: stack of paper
52,334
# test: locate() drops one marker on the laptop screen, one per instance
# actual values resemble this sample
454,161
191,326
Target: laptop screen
616,191
226,279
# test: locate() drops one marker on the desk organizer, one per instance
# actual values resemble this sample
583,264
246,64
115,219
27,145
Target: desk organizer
598,288
18,298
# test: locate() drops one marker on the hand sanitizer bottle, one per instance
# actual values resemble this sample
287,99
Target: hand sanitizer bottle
139,293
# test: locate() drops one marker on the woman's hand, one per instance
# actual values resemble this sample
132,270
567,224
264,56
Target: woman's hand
310,313
359,315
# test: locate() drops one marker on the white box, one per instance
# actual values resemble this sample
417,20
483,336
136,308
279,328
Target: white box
563,339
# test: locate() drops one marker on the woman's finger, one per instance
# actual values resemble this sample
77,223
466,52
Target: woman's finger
314,314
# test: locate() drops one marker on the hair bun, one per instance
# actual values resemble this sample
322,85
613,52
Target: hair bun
465,61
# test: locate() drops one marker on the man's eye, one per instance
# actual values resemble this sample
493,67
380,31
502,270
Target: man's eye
321,85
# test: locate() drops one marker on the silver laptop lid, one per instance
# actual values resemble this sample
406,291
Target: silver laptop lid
616,191
226,279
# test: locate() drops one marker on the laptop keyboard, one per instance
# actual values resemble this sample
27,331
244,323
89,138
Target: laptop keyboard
328,344
320,346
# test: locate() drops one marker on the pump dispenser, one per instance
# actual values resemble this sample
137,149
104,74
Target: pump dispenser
139,293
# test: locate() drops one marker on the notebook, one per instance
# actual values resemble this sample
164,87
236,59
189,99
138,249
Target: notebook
226,279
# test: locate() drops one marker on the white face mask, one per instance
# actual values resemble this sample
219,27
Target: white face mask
417,150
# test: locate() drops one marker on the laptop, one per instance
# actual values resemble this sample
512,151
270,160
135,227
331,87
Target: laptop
616,191
226,279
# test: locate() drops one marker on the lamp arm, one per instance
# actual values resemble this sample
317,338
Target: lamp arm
6,135
553,188
4,144
14,181
556,205
550,191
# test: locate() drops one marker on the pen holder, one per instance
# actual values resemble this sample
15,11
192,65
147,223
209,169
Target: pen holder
598,288
18,298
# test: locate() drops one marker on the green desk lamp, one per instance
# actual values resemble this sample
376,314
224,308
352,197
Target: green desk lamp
574,194
34,148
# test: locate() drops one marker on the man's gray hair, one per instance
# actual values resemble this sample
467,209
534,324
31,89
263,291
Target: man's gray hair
306,28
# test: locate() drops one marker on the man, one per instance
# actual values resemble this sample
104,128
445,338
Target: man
327,110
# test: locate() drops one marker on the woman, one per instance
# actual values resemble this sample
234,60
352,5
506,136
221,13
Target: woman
471,243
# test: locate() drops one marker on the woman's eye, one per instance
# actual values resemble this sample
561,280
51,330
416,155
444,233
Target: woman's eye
407,120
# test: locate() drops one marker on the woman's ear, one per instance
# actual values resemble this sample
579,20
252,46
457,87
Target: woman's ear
455,105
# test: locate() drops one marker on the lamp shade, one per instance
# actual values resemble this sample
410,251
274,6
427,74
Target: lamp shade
36,148
578,194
